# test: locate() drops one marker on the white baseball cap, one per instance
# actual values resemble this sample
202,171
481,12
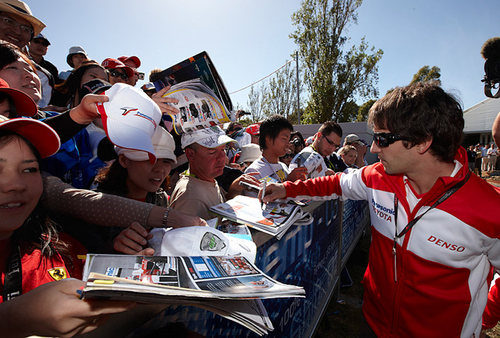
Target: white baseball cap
163,145
205,241
130,118
211,137
249,153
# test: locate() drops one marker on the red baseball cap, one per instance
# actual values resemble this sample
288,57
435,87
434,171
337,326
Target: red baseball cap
111,63
41,136
25,106
134,59
253,129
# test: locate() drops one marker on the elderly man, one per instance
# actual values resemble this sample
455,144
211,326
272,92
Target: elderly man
326,141
17,23
197,190
435,238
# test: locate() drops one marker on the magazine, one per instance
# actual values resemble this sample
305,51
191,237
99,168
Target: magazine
272,218
203,98
229,286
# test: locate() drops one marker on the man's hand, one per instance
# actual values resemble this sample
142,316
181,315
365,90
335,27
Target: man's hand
329,172
56,310
177,219
132,240
163,102
299,173
274,191
86,111
236,188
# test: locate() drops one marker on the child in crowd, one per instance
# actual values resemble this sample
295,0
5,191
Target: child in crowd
349,154
28,238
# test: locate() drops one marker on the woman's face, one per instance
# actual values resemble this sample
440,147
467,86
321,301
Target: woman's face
20,184
19,75
144,177
92,74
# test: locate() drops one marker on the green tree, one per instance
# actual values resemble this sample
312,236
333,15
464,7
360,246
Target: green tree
333,75
281,95
427,74
363,110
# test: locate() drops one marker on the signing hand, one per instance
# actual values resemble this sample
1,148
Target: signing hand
299,173
274,191
236,188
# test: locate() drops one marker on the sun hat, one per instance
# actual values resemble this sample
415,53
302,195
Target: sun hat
130,118
211,137
72,51
205,241
25,106
111,63
163,145
353,138
40,135
134,59
249,153
22,9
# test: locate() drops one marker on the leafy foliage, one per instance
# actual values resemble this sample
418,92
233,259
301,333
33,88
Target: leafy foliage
427,74
333,76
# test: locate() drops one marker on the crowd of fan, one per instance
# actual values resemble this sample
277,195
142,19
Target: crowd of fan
57,220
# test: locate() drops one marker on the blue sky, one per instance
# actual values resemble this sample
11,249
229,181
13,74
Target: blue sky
249,39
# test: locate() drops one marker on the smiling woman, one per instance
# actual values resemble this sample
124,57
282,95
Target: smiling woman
27,237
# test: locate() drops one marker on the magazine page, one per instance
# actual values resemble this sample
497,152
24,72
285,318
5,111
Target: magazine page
310,159
249,210
198,105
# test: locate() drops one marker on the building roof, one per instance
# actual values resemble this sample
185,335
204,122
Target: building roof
479,118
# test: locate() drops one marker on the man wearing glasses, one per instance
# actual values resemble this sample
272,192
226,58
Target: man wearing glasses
435,237
313,157
133,62
17,23
117,71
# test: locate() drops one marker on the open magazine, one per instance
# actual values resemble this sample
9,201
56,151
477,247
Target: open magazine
273,218
228,286
203,98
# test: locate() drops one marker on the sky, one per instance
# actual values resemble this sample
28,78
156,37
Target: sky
248,40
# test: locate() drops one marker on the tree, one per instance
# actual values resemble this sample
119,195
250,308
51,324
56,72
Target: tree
363,110
255,102
427,74
332,75
281,96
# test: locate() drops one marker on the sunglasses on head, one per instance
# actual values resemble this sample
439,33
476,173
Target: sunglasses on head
383,140
117,73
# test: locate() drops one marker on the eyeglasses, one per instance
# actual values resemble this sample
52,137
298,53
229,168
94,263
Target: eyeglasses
384,140
331,142
139,75
25,29
117,73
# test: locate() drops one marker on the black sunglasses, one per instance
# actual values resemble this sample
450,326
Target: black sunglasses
383,140
116,73
331,142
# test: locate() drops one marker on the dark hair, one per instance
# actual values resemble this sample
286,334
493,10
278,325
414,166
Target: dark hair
421,111
9,53
233,126
112,179
271,127
72,84
294,134
38,230
155,75
330,127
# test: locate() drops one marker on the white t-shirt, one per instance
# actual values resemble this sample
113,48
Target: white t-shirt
277,172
